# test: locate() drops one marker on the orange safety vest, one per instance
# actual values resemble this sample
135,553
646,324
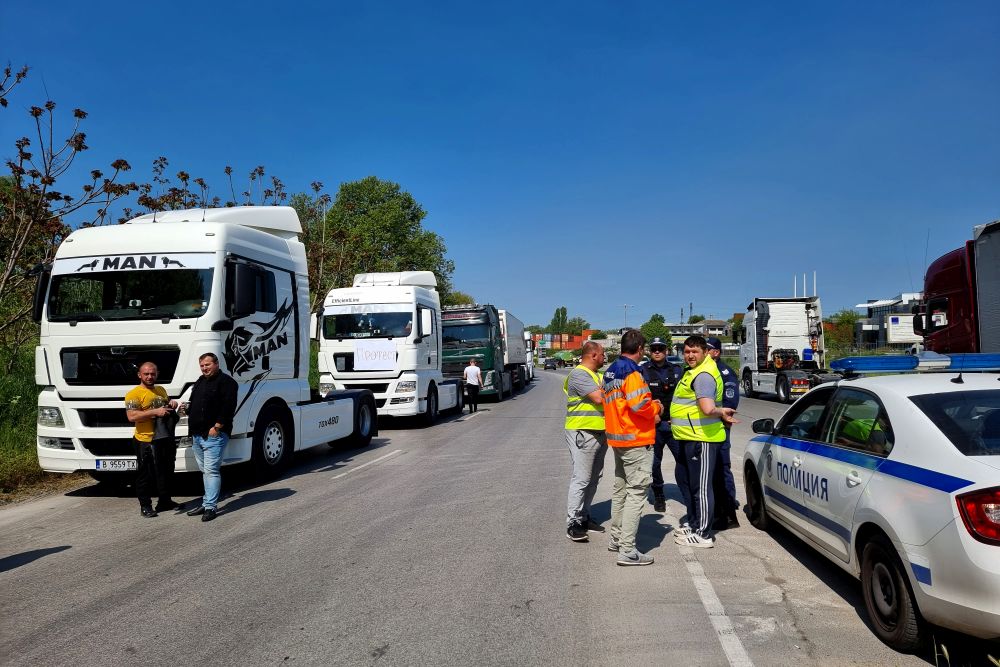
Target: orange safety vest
629,410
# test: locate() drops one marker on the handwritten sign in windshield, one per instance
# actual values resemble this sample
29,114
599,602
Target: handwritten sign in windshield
374,355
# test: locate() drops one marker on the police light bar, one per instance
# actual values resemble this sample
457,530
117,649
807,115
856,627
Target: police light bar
925,361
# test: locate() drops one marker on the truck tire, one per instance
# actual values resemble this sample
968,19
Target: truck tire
782,390
520,378
273,442
500,387
365,415
459,400
430,416
748,390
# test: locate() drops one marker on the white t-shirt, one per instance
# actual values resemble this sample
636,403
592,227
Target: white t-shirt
472,375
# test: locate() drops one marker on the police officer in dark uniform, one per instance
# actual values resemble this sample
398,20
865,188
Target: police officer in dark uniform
723,484
662,376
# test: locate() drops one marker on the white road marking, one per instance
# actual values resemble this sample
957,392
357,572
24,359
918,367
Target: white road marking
365,465
731,644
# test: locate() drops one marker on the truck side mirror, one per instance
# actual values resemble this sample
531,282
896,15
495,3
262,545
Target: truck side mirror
314,326
918,324
41,288
426,322
241,290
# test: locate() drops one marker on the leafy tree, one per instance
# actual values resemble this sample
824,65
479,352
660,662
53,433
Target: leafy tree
655,328
32,210
599,335
535,328
372,226
558,323
694,319
840,337
576,325
456,298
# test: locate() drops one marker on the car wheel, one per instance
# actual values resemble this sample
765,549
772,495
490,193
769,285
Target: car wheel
748,385
272,442
888,597
755,500
781,388
431,415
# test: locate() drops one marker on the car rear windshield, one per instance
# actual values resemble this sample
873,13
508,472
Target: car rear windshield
970,419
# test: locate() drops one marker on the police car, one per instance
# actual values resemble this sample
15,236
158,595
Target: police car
896,479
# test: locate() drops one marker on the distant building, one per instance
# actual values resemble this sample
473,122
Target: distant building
888,322
678,332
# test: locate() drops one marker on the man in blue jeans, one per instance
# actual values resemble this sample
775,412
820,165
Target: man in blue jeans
210,423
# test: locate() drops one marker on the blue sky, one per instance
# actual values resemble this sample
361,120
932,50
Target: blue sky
570,153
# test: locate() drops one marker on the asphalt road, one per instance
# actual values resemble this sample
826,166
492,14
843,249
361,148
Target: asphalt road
441,546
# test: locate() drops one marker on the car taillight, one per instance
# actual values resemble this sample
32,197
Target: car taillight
980,511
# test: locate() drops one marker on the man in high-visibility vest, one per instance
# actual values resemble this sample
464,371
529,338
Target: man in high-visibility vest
586,439
630,417
697,421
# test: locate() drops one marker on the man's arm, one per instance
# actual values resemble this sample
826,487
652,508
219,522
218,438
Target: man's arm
639,399
226,407
704,388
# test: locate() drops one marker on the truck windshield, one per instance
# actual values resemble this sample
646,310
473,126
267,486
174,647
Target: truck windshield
129,295
394,324
458,336
970,419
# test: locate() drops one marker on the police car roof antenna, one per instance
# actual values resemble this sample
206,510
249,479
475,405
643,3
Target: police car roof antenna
959,380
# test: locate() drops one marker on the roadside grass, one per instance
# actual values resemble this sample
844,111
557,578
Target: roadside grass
18,461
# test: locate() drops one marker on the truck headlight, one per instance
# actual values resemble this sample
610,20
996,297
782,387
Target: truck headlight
50,417
406,386
488,380
325,388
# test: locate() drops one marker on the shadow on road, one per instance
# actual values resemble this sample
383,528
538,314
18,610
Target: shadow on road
17,560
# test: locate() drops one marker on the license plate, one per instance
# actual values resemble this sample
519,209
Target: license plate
116,465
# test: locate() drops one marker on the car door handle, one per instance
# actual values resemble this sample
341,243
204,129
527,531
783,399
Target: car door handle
853,478
796,462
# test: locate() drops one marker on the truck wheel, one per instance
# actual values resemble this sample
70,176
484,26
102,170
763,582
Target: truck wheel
431,414
888,597
755,500
748,384
500,387
272,442
520,379
364,422
459,400
781,388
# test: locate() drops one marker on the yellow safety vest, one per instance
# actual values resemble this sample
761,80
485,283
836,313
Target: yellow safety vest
687,421
581,414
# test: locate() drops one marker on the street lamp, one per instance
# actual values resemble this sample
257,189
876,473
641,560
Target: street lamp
627,305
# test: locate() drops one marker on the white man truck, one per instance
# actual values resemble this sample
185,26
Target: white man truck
384,334
168,288
783,349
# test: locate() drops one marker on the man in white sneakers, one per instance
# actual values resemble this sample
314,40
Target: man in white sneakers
698,421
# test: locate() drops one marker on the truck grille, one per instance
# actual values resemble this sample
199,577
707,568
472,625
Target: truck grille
103,417
453,369
374,388
116,365
108,446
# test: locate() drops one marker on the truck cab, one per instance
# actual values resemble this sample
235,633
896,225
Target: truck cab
167,288
384,334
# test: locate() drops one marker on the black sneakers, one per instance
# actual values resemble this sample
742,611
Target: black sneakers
196,511
147,511
209,514
659,504
577,532
594,527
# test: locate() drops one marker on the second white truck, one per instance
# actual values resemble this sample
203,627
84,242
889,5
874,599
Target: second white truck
783,350
384,334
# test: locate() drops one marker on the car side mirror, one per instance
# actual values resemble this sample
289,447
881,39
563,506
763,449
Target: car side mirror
765,426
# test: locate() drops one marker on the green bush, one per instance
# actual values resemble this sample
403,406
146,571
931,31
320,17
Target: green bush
18,398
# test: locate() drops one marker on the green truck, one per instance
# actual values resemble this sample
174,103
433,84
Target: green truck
492,336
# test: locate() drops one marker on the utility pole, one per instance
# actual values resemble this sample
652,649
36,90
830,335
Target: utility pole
626,316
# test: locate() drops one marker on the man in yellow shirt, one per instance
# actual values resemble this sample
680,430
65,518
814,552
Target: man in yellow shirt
154,457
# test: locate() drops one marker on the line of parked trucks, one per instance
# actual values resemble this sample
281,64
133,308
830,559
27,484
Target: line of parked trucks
169,287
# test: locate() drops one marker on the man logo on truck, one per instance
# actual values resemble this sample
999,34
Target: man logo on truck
248,343
128,263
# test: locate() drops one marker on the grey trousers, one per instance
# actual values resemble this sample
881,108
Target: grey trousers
587,449
633,474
